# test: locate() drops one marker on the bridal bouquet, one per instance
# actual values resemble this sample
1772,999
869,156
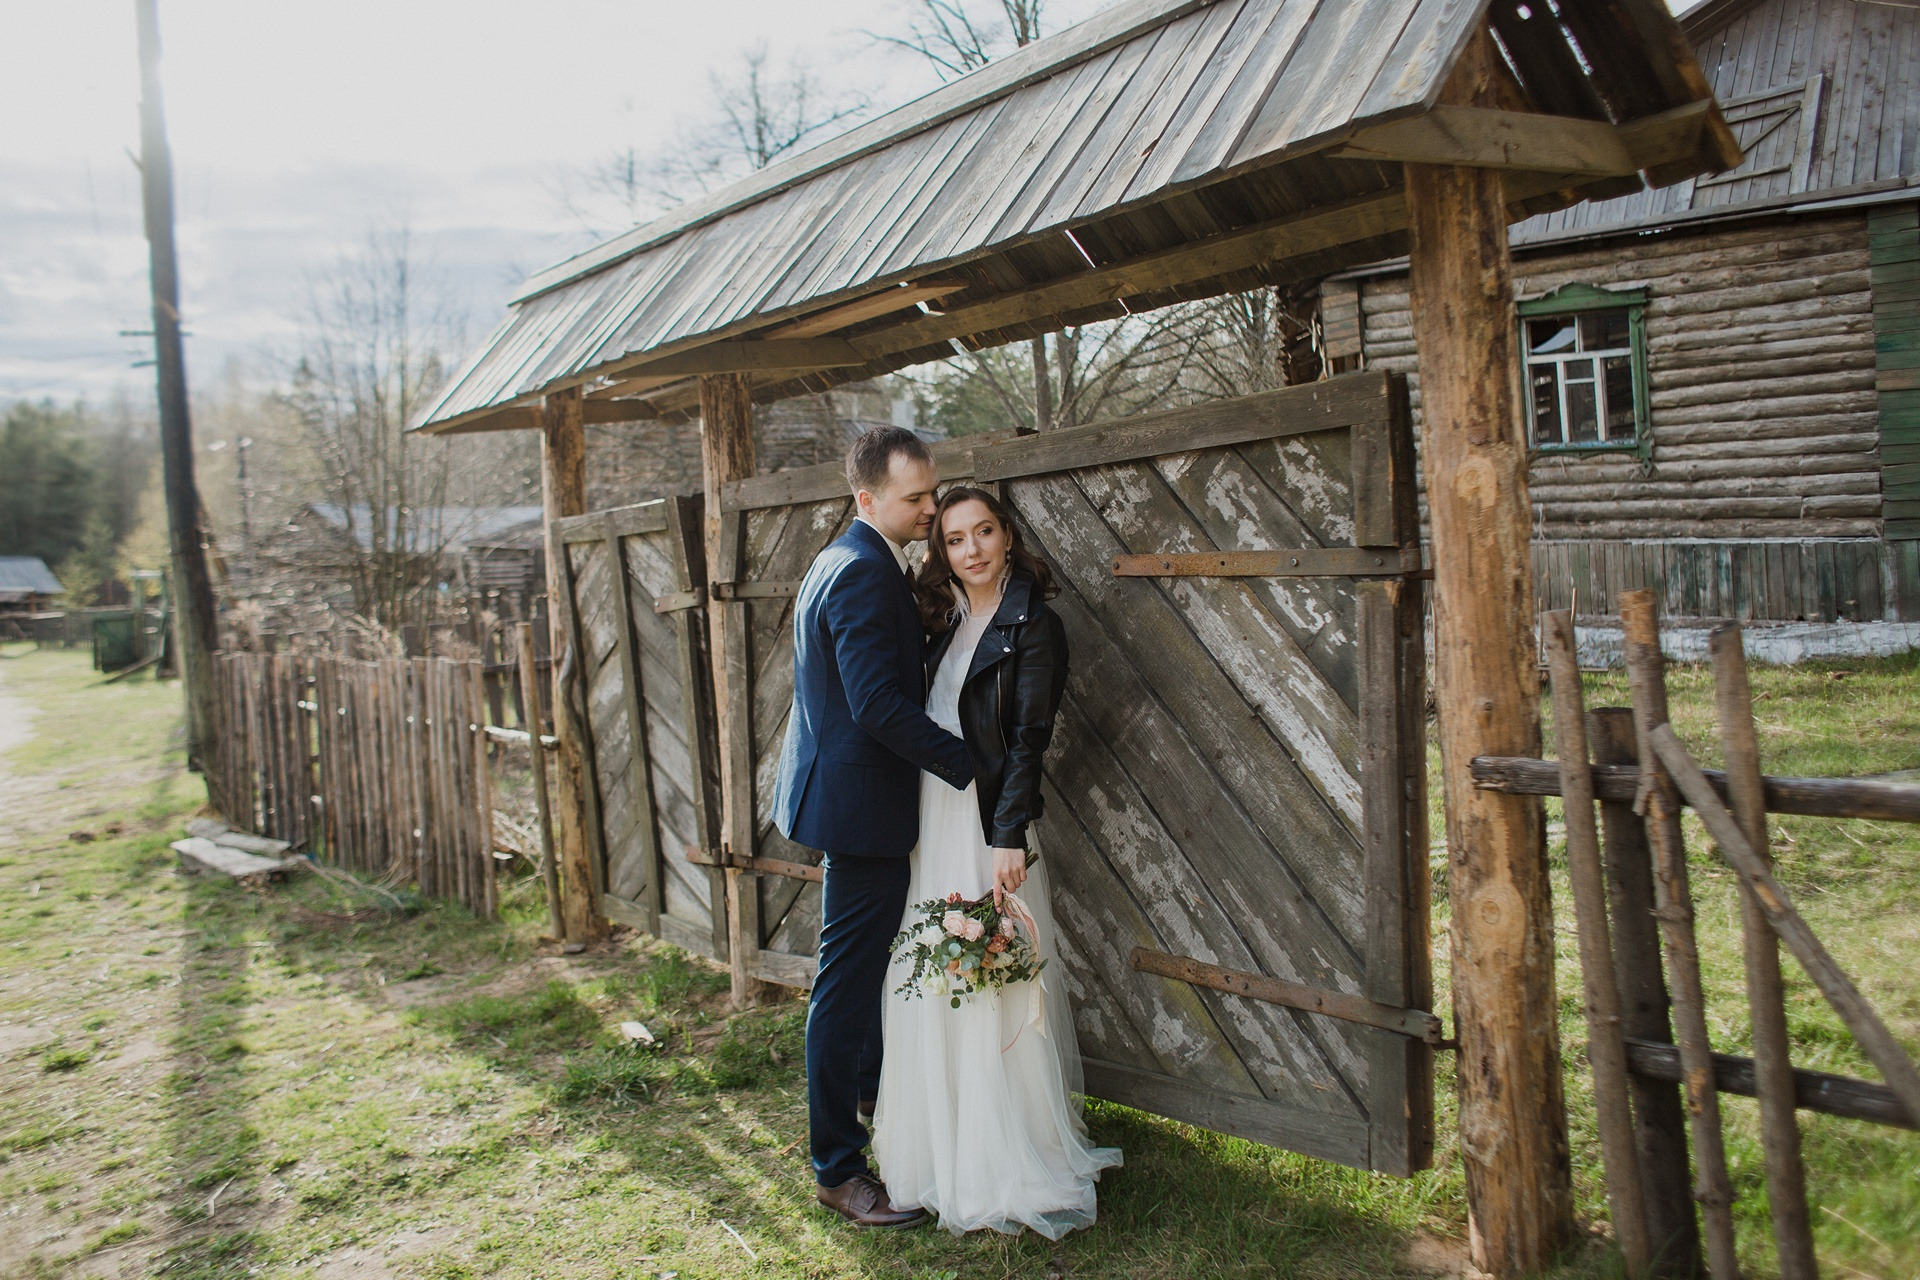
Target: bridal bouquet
974,945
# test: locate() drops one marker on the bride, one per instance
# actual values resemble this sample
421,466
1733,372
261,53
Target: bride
978,1117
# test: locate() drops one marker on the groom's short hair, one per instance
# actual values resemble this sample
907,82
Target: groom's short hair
870,456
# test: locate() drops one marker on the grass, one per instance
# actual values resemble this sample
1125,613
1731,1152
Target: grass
261,1089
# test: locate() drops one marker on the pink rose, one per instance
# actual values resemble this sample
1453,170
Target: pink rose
971,930
955,924
1006,927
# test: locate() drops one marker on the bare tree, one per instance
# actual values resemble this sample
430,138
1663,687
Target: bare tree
956,37
1254,341
758,113
373,352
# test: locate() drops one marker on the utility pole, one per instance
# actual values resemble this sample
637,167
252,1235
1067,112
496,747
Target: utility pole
193,588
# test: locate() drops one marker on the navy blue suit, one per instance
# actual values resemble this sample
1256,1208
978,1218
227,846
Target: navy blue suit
857,739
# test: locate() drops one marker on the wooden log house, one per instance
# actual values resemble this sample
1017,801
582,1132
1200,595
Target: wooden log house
1724,374
1238,833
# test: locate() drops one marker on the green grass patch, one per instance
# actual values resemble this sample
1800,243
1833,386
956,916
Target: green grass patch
284,1055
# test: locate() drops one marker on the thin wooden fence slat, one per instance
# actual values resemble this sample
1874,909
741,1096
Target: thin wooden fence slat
1875,1040
1647,683
1659,1122
1766,1000
379,767
1606,1049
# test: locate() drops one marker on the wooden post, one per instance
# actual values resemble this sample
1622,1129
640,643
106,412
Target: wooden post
543,808
726,454
563,475
1659,1125
1513,1123
186,537
1647,681
1606,1049
1766,1000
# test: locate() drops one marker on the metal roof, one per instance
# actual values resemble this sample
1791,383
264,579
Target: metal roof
1156,125
428,528
27,575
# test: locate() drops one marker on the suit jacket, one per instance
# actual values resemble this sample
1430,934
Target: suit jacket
859,735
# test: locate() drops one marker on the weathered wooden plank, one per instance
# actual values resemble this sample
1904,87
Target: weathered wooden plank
1316,1133
1266,494
1131,1018
1137,622
1320,406
1208,882
1815,797
1266,670
640,769
1813,1090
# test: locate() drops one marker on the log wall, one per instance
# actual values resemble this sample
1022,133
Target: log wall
1760,357
1766,425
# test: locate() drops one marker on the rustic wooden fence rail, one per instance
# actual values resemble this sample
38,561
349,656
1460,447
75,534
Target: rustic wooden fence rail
379,767
1636,1052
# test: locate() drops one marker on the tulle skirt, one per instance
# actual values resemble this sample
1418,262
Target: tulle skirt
978,1119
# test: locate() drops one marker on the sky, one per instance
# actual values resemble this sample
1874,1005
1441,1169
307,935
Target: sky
298,130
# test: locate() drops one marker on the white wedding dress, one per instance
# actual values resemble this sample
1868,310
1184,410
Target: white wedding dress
978,1119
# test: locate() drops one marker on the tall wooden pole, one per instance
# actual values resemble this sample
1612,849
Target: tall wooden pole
186,539
1513,1125
563,487
726,454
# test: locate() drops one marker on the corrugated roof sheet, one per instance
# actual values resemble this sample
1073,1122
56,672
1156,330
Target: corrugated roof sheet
430,527
27,575
1141,102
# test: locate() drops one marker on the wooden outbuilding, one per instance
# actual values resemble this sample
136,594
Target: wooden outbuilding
1238,831
1726,390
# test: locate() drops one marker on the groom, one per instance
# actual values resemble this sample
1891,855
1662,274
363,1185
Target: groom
849,786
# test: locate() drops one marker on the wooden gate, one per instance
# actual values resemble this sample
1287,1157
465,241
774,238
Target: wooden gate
633,583
1236,796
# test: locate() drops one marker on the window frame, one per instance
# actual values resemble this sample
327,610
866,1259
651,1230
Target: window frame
1572,300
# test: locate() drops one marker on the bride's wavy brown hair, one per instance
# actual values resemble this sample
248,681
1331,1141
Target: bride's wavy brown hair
933,585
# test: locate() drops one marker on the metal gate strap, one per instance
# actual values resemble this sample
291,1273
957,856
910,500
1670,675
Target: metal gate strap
1290,562
1416,1023
754,590
676,600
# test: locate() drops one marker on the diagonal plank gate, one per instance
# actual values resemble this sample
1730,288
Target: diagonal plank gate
1236,809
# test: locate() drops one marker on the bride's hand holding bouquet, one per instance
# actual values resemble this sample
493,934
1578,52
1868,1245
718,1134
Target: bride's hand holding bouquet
962,946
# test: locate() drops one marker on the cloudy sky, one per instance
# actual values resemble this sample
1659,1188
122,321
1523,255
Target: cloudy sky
298,129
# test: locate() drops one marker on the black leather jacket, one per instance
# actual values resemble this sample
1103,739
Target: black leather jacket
1007,705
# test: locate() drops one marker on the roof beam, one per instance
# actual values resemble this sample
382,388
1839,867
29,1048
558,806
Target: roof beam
747,356
1487,138
1214,256
887,301
526,417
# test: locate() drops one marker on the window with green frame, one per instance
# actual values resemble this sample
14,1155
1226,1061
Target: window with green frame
1586,358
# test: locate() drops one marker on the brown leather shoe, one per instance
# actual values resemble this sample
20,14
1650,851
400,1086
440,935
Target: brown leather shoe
863,1201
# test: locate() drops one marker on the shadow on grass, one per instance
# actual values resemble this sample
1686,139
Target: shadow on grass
714,1118
213,1138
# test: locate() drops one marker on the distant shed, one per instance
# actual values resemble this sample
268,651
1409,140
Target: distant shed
26,583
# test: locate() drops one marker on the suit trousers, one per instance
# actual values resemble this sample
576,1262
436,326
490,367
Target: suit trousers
862,903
